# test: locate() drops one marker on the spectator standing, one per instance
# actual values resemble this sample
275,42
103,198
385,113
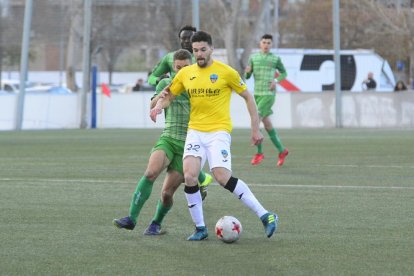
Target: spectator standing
369,83
138,85
400,86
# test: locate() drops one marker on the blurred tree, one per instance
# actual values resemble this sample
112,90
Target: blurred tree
395,23
116,28
365,24
236,25
75,14
10,39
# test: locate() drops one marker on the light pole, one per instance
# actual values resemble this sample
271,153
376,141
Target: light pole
337,59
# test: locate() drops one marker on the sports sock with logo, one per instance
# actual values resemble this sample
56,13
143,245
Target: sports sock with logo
141,194
195,204
243,192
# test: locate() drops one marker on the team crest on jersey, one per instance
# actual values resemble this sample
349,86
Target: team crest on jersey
213,78
225,154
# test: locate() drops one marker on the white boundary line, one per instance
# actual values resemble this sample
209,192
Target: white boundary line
251,184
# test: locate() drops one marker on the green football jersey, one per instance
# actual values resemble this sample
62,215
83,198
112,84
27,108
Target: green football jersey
264,67
165,66
177,114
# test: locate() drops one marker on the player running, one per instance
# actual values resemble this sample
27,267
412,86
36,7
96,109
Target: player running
166,154
209,84
263,66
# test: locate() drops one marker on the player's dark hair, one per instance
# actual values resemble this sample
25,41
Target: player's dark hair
182,54
267,36
201,36
186,28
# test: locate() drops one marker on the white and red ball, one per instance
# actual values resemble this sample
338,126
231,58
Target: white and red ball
228,229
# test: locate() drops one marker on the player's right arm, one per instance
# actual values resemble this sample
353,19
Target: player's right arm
249,69
159,70
164,100
160,86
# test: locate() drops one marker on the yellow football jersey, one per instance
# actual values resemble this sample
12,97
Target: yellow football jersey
209,90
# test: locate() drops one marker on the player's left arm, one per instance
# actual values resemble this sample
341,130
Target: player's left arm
257,136
281,70
159,70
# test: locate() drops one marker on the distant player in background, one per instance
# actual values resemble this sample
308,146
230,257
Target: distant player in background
165,66
263,65
166,154
209,84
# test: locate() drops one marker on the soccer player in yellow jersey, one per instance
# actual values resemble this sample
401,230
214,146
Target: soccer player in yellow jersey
209,85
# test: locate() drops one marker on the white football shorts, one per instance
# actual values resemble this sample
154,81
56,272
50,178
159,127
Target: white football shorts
213,147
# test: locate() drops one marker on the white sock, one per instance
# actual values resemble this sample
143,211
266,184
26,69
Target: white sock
195,206
242,191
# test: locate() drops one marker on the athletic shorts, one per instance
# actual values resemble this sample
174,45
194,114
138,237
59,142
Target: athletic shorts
213,147
174,149
264,105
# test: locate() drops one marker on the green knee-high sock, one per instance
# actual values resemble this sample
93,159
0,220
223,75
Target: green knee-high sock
201,177
141,194
259,148
161,212
276,140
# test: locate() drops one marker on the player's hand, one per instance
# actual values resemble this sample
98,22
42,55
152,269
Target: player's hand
163,94
154,113
272,85
257,138
248,69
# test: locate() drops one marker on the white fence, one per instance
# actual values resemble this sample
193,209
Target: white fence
292,110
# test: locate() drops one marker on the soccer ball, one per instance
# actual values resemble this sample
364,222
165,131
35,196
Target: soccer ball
228,229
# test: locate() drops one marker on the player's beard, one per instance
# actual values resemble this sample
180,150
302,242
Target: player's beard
202,62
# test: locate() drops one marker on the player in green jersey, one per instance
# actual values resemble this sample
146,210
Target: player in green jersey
263,65
166,154
165,66
209,84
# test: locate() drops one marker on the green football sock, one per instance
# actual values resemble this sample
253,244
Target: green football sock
201,177
275,139
141,194
161,212
259,148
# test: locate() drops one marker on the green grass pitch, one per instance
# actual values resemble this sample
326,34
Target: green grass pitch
345,198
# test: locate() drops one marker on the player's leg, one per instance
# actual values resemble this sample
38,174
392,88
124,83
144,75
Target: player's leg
274,137
192,166
192,163
259,156
240,189
157,162
172,181
221,168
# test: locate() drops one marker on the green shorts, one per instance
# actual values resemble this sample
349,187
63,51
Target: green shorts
174,150
264,105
